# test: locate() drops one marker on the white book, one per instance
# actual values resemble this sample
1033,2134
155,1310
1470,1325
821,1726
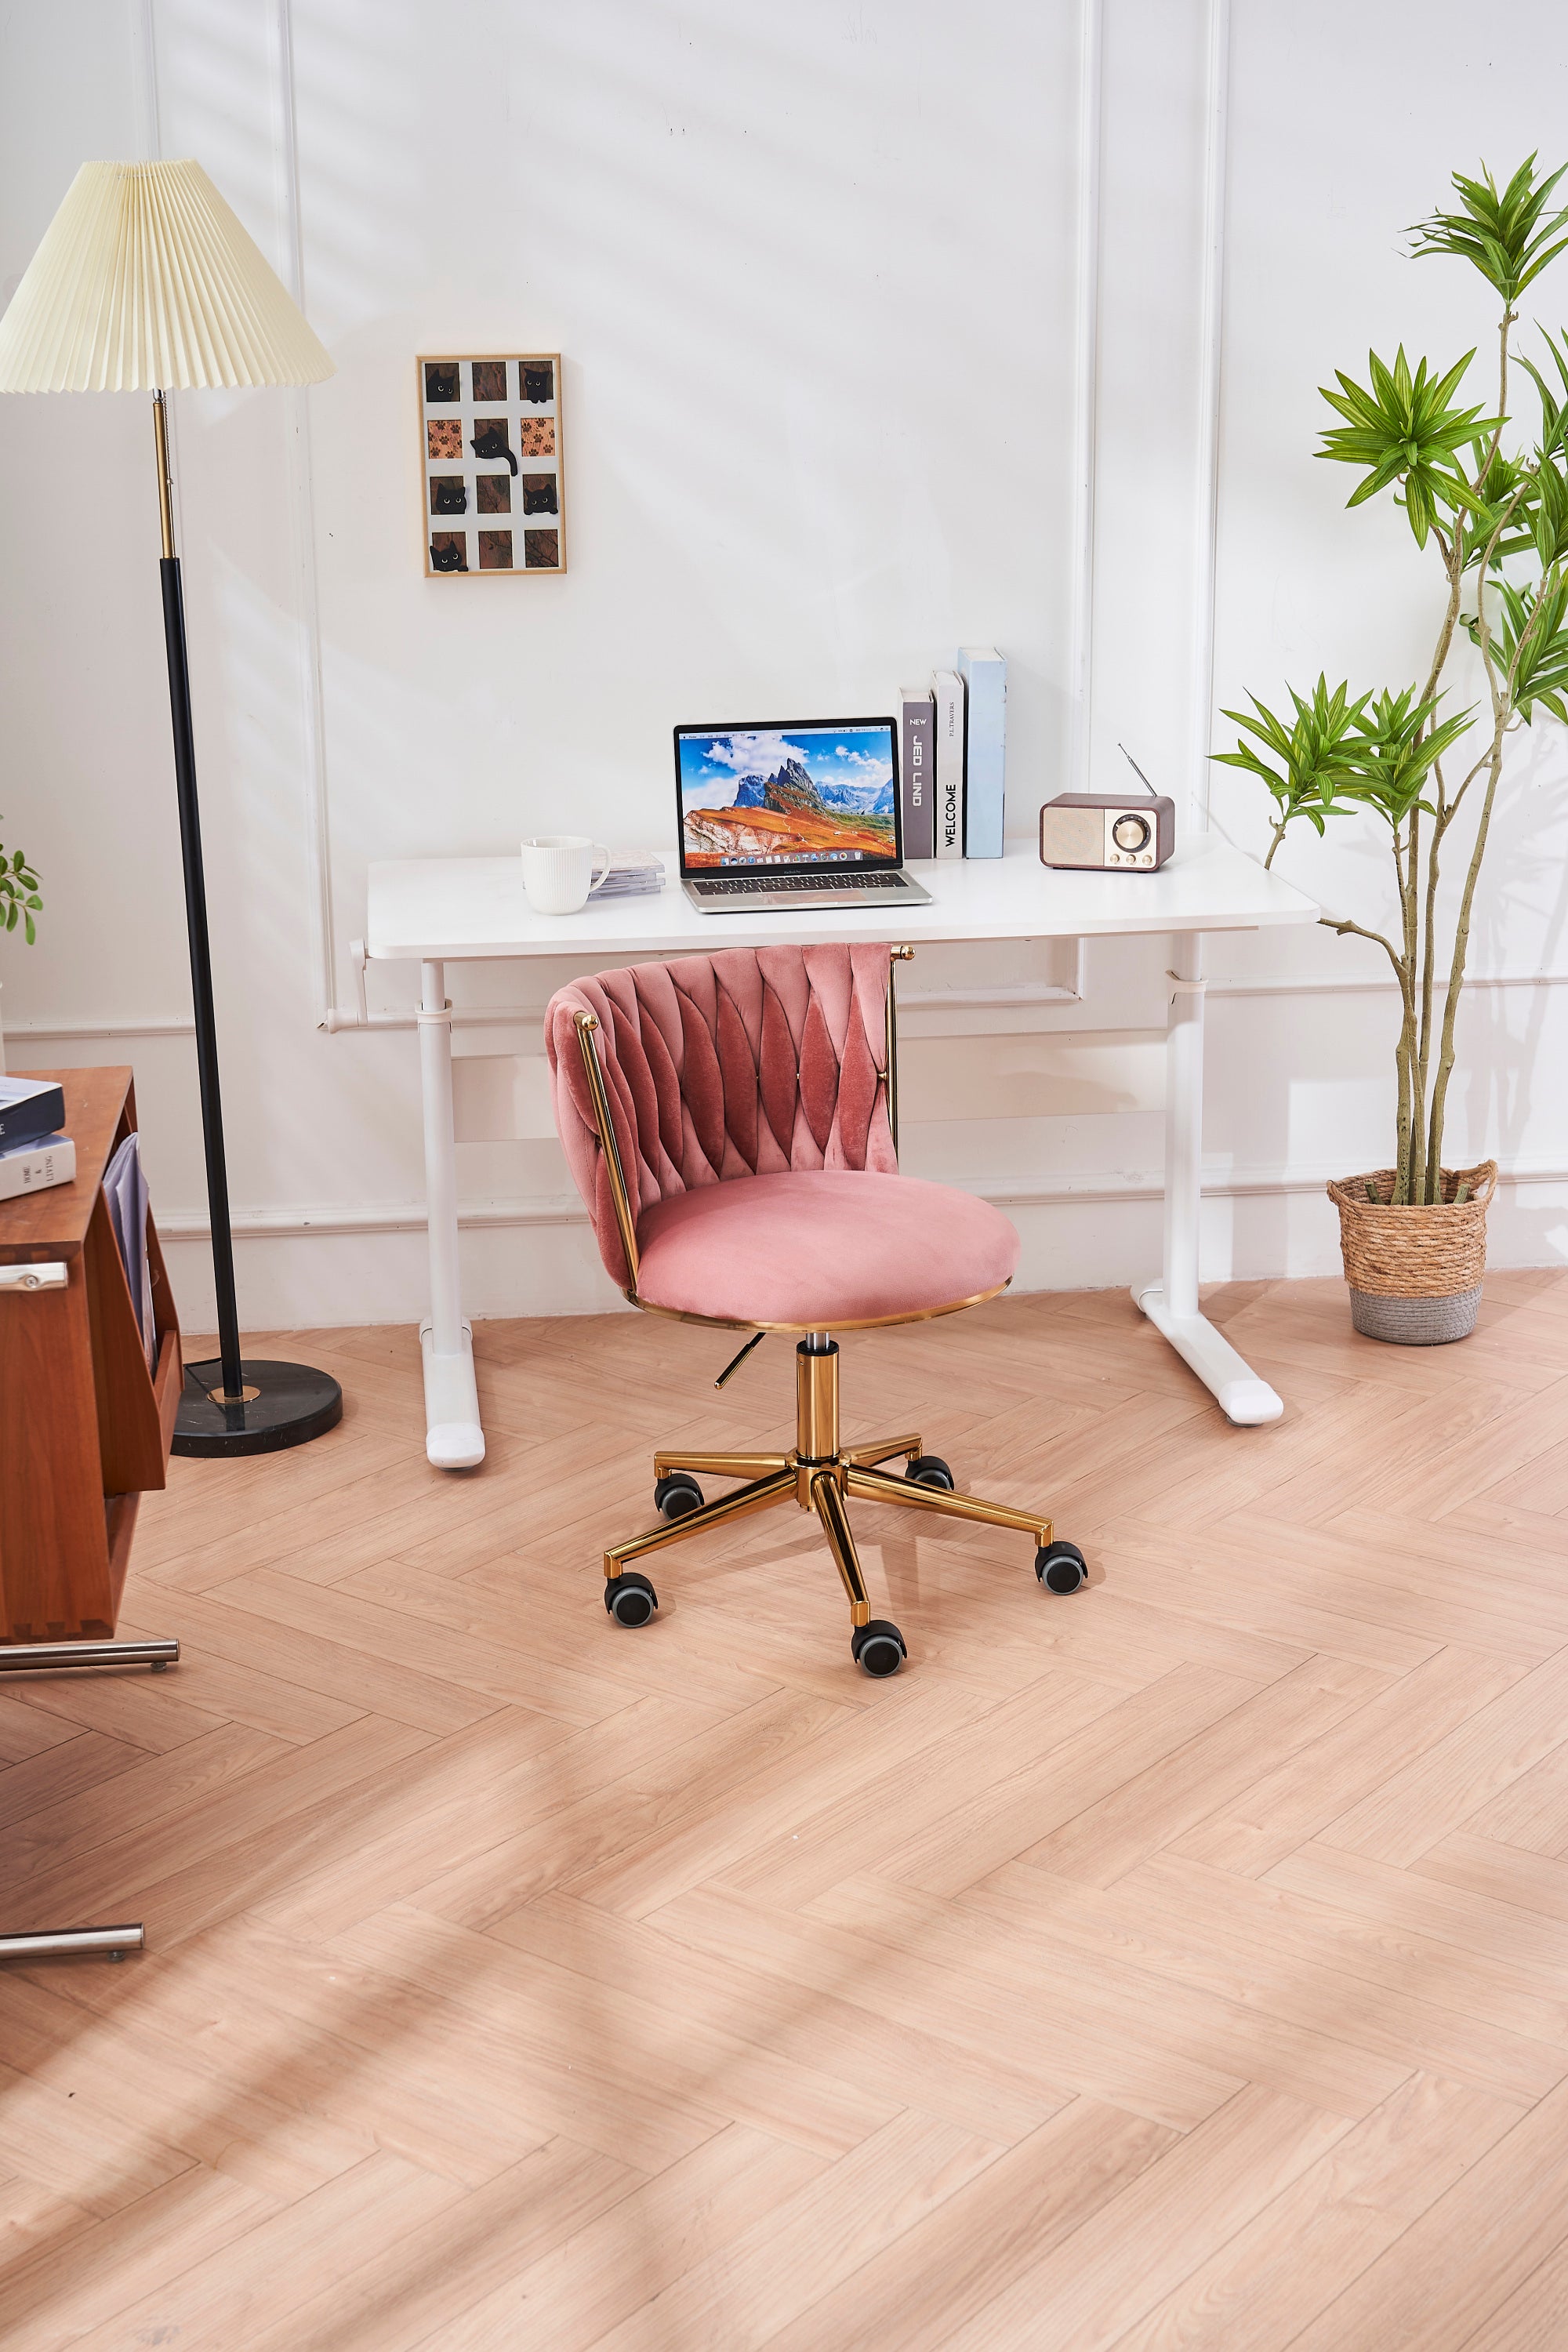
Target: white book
948,688
31,1167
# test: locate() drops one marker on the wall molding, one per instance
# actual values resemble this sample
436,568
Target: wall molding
1003,1192
1086,391
1010,999
1211,386
45,1033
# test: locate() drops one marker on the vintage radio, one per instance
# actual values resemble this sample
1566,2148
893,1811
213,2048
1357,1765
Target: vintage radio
1098,831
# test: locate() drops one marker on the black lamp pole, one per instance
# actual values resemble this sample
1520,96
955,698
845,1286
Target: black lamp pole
228,1406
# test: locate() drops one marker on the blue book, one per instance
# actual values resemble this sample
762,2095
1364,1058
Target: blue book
30,1108
984,676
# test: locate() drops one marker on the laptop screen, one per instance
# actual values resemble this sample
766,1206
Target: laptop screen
821,793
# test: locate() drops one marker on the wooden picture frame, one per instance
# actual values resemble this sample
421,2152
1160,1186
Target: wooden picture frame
491,467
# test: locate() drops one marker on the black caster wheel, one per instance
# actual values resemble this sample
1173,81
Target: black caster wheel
930,1470
1061,1568
630,1598
878,1648
676,1496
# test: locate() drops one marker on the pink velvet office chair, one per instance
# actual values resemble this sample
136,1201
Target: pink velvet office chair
731,1122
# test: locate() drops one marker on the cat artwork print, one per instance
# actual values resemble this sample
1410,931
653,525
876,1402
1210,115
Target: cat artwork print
479,417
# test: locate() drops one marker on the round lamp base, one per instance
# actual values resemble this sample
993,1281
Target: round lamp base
283,1404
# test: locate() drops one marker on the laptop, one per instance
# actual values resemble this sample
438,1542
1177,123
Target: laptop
802,813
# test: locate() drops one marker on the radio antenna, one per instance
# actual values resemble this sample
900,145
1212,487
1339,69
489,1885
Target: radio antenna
1138,772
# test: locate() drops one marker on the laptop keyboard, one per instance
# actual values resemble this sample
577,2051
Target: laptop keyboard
749,883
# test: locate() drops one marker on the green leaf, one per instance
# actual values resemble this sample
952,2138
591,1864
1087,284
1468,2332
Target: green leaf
1530,642
1553,410
1304,763
1403,741
1405,431
1508,237
1376,753
17,879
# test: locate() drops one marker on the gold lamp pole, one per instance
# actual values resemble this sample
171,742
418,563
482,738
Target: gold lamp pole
145,281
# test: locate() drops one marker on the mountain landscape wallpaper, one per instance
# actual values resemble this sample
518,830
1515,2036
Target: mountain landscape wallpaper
800,795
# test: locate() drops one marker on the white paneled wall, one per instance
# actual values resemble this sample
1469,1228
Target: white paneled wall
814,273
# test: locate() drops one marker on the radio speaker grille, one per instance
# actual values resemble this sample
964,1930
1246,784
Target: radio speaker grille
1072,837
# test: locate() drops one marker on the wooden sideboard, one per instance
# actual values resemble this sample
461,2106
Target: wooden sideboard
84,1427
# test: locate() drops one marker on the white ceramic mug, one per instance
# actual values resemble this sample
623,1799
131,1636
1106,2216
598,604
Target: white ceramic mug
561,871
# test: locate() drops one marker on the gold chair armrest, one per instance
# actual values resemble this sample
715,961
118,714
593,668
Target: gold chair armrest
586,1023
896,956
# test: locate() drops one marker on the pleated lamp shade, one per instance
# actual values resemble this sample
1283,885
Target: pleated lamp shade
145,278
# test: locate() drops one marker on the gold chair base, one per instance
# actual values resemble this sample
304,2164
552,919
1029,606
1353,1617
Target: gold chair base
817,1475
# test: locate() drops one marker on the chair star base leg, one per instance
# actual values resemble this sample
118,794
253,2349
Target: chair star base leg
876,1486
828,1504
720,1466
882,1449
760,1496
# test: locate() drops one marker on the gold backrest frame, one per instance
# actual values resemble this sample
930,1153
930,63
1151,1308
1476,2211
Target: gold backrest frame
896,956
586,1024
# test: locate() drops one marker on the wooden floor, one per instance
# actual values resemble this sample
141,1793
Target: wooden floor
1181,1964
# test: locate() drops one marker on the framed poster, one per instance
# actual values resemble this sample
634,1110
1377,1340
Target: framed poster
490,464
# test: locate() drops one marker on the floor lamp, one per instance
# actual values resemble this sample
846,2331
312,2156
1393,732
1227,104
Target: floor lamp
146,282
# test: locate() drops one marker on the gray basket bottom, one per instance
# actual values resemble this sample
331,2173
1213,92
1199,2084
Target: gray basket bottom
1416,1322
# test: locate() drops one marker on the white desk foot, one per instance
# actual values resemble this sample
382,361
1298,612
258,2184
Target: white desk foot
1241,1395
453,1437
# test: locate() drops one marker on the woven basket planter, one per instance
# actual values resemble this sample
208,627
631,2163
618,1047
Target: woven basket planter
1415,1272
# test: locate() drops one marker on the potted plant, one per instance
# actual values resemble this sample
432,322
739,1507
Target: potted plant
19,902
1494,516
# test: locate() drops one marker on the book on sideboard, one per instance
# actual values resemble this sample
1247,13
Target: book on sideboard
32,1166
28,1107
916,710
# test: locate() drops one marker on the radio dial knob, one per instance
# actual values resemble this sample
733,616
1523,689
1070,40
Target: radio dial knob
1130,832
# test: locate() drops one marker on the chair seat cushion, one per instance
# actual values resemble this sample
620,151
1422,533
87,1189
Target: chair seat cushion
813,1248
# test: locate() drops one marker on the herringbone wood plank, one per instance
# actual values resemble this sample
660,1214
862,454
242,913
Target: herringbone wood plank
1178,1965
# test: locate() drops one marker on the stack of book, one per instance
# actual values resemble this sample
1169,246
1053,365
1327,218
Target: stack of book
952,758
33,1151
631,878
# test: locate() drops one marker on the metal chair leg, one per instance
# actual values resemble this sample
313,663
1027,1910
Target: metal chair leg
829,1506
720,1466
882,1449
877,1487
760,1496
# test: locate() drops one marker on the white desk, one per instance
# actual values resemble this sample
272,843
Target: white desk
439,910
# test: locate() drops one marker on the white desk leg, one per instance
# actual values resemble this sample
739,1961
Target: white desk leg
1172,1303
453,1439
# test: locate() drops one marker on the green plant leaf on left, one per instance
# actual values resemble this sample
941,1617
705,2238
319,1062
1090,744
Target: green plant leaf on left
18,894
1306,763
1402,428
